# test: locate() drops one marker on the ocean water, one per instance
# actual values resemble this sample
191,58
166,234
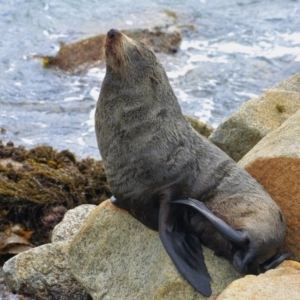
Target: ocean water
237,50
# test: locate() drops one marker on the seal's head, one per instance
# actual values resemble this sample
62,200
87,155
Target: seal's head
126,57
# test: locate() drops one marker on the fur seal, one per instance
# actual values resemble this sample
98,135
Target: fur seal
172,179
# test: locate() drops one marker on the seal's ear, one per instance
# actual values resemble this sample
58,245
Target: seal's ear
183,246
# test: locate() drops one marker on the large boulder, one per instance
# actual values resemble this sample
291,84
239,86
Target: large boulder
43,272
275,163
115,257
277,284
258,117
73,219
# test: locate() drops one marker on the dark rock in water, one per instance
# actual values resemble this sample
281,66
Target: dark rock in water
76,56
38,186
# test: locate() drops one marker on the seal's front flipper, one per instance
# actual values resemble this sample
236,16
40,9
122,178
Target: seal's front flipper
113,200
236,236
184,247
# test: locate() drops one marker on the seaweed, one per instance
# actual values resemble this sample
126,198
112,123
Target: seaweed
39,185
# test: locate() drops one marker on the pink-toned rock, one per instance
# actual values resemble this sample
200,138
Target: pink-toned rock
275,163
277,284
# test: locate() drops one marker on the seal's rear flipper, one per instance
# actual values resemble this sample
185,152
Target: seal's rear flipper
184,248
236,236
276,260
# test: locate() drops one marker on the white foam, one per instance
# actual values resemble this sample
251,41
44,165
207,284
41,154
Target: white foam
203,116
204,58
249,95
212,82
97,72
261,49
41,125
80,141
89,123
57,36
207,105
10,69
194,44
92,113
68,99
181,95
233,47
94,93
28,141
181,71
293,37
279,51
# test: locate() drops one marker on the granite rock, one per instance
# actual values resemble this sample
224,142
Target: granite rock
277,284
115,257
258,117
42,273
71,222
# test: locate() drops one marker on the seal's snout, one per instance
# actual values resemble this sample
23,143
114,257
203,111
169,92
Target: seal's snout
116,49
112,33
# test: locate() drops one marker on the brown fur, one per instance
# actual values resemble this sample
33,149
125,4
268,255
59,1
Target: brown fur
117,53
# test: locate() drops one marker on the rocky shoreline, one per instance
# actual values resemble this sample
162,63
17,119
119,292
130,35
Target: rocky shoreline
88,254
41,187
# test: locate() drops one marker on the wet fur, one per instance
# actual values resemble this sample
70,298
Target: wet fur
152,155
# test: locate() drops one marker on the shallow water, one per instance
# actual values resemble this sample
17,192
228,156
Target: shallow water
237,50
